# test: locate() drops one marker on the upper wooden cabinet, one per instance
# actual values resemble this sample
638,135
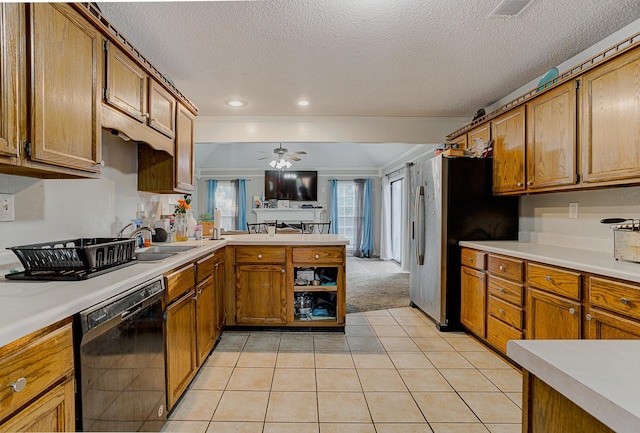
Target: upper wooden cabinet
11,18
126,85
51,85
184,171
551,138
508,132
609,122
162,110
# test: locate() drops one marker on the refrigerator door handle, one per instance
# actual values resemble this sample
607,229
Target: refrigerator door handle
419,221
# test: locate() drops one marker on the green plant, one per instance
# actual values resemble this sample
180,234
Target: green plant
205,217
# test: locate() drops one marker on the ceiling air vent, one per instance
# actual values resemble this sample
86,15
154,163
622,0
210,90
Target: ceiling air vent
509,8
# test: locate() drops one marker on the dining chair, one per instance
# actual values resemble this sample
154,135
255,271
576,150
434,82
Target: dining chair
313,227
256,228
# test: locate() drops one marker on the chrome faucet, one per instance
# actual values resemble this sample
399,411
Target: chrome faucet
121,232
137,232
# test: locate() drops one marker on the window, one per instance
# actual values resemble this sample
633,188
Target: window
226,203
347,211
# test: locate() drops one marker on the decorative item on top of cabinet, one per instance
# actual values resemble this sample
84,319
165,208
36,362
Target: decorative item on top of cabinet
554,310
37,376
62,135
505,300
610,138
508,132
551,138
473,291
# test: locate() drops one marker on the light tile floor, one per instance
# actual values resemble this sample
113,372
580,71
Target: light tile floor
391,371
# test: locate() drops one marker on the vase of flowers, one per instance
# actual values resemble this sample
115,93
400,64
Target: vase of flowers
180,215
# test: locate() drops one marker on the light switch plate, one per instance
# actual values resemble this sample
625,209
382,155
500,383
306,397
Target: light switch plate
573,210
7,212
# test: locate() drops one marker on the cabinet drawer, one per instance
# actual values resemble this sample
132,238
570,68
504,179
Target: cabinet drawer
506,267
498,333
260,255
508,313
179,282
615,296
474,259
204,267
554,280
506,290
41,360
333,255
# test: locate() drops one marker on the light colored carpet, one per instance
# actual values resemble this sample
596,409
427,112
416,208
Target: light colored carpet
374,284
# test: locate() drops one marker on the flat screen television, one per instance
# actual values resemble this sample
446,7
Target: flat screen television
291,185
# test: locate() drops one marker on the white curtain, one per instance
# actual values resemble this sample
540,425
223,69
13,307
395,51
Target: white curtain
406,224
386,250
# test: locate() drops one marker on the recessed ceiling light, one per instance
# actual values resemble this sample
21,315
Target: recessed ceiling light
303,103
236,103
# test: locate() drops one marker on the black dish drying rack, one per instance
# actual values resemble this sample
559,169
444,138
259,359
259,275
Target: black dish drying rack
73,259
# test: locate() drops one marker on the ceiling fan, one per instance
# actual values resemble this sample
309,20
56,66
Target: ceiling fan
281,157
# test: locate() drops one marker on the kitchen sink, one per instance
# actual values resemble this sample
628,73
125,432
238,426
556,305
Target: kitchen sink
146,256
168,249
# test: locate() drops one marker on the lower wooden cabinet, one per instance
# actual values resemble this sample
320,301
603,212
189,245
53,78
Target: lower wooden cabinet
600,325
53,412
473,300
261,294
206,326
219,282
551,317
36,381
180,346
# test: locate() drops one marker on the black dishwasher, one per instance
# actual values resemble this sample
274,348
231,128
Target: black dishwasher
120,367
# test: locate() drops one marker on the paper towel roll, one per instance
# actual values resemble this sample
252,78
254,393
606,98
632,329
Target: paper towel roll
217,216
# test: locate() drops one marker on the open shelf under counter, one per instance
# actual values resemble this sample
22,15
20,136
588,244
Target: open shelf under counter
332,288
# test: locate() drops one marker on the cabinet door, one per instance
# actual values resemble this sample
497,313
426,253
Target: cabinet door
508,132
461,141
180,346
54,411
11,16
162,110
206,332
126,86
551,138
261,296
219,288
551,317
67,82
482,132
605,326
610,135
473,301
184,150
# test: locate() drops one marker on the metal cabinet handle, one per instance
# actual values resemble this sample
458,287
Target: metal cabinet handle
547,277
19,384
501,268
589,317
572,311
259,256
519,184
317,256
501,289
624,301
470,259
501,311
282,271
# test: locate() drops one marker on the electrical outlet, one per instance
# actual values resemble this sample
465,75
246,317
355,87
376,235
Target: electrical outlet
7,212
573,210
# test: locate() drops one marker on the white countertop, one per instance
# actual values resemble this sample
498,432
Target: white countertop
26,306
594,262
600,376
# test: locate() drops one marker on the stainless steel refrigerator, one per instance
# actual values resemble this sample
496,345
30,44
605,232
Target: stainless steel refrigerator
451,201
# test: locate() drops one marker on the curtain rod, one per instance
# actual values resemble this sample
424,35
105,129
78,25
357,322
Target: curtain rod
407,165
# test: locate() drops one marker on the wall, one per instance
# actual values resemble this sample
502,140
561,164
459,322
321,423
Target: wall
59,209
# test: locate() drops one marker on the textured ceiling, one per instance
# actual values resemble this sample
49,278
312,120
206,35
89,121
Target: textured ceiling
360,57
